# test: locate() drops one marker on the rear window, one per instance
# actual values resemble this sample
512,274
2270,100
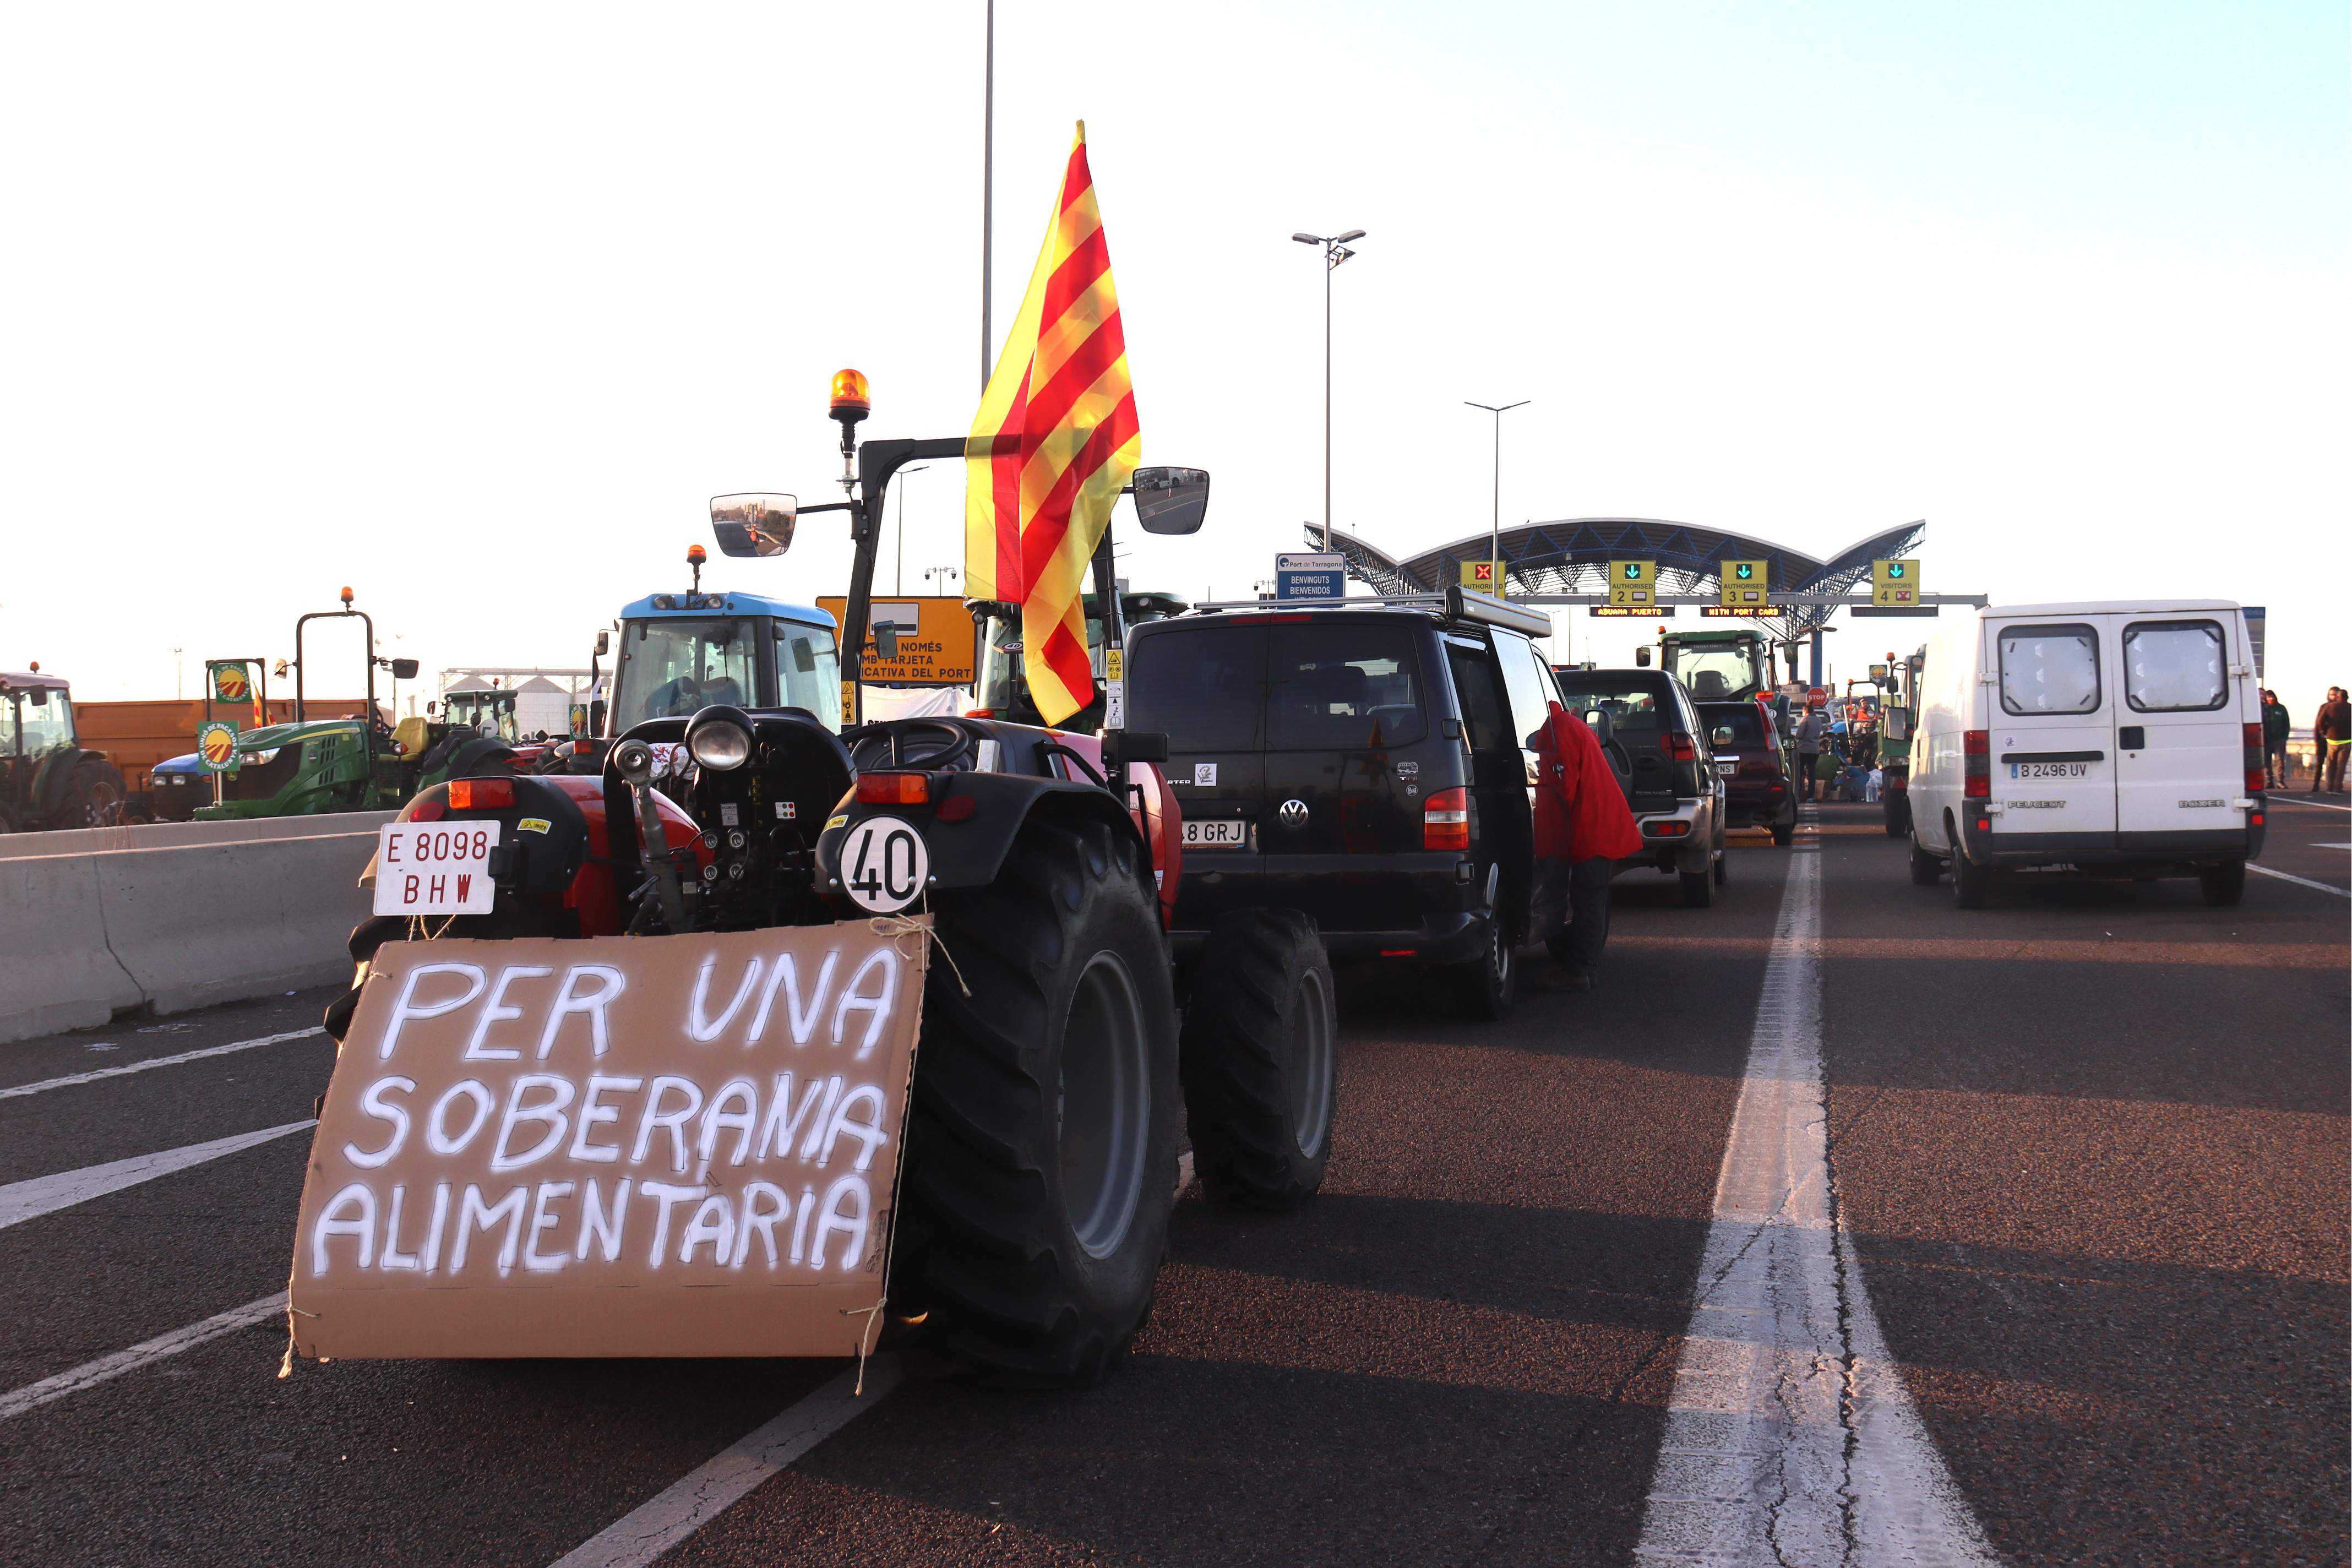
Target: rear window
1342,687
1202,686
2050,669
2174,667
1746,727
1630,707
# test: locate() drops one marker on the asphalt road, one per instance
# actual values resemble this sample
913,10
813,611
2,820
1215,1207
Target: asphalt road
2089,1144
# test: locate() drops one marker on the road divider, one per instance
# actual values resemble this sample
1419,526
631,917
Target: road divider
174,915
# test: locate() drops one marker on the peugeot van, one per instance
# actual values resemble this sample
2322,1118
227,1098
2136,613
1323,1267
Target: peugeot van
2121,738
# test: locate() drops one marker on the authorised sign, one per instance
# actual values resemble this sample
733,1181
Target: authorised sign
1745,584
1633,583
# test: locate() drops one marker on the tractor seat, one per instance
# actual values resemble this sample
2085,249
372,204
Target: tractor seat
409,736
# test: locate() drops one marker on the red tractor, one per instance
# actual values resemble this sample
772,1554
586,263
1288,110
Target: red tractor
1056,1075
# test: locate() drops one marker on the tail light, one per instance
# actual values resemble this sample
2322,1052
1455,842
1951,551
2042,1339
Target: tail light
1445,820
1976,750
1671,828
892,787
1682,747
482,794
2258,778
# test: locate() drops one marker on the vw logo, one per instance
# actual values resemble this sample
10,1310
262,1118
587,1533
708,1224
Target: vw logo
1294,813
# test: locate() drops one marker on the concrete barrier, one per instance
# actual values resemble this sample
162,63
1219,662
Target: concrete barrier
175,915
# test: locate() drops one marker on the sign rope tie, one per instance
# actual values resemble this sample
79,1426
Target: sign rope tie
897,926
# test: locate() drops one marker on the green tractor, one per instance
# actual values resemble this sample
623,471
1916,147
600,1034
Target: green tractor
47,779
353,762
1002,688
1898,716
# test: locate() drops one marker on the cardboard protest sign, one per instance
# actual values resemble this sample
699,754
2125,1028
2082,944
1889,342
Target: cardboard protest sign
626,1146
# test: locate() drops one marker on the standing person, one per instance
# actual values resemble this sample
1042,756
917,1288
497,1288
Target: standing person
2331,735
1582,824
2275,725
1810,732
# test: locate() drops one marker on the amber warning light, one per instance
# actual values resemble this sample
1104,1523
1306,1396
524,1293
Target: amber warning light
851,400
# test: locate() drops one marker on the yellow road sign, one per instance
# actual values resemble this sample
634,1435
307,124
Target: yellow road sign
1894,581
937,644
1481,577
1632,583
1746,584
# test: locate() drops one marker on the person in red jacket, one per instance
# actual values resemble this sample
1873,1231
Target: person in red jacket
1582,826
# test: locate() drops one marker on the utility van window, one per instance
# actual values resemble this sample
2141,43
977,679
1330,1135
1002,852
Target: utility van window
1481,698
2050,669
1202,686
1342,687
2174,667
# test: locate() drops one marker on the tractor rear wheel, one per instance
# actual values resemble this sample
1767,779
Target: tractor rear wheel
1260,1060
94,795
1041,1145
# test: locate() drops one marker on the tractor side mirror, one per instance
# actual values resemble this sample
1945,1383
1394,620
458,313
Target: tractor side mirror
1122,747
754,525
604,644
40,696
1170,501
403,669
1898,724
1642,657
886,643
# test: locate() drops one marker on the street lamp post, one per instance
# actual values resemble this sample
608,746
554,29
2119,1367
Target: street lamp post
1495,537
1335,251
898,574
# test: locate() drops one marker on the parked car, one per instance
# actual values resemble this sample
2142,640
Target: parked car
1364,763
1677,799
1757,789
2121,737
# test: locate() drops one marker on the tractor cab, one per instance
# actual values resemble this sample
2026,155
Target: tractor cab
485,710
47,778
1719,666
680,653
1002,688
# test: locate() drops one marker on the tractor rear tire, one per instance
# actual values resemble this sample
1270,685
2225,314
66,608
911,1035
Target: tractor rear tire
94,795
1041,1145
1260,1060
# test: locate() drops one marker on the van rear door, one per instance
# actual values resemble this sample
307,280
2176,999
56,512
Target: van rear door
1205,686
2179,734
1346,703
2052,729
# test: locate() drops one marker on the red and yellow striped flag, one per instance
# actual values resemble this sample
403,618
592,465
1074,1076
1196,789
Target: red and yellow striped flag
1055,443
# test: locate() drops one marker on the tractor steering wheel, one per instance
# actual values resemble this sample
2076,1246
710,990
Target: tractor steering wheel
922,744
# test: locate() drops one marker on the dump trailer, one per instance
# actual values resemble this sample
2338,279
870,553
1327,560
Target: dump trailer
785,1030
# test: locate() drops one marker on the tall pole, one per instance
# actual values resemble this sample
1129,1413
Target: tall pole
1330,267
1494,535
899,575
987,196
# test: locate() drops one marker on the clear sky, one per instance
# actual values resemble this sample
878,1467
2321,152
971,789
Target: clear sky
471,307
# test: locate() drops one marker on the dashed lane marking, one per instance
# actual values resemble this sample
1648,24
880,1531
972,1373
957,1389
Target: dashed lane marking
2276,799
2299,881
1789,1436
21,1201
33,1395
678,1510
92,1077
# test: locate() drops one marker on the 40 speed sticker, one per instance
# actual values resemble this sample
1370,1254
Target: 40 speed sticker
884,864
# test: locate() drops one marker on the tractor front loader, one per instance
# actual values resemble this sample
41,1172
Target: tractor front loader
1045,1116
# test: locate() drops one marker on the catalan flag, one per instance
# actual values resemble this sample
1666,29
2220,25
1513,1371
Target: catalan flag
1055,442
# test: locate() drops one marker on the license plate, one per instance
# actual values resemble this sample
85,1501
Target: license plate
1727,766
1228,834
434,868
2049,770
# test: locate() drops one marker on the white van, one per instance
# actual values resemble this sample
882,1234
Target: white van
2121,739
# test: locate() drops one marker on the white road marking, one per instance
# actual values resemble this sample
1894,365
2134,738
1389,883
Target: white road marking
21,1201
33,1395
1789,1436
2303,881
678,1510
2276,798
97,1073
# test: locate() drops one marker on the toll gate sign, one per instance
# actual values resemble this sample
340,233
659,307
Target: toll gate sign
1632,585
1895,583
1746,585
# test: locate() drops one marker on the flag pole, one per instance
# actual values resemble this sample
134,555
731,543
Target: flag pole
987,190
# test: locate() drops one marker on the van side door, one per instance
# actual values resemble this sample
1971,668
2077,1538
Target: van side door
2179,738
2052,739
1497,775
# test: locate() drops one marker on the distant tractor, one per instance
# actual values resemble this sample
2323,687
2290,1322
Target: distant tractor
47,779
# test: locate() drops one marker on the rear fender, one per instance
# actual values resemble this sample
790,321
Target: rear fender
969,852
